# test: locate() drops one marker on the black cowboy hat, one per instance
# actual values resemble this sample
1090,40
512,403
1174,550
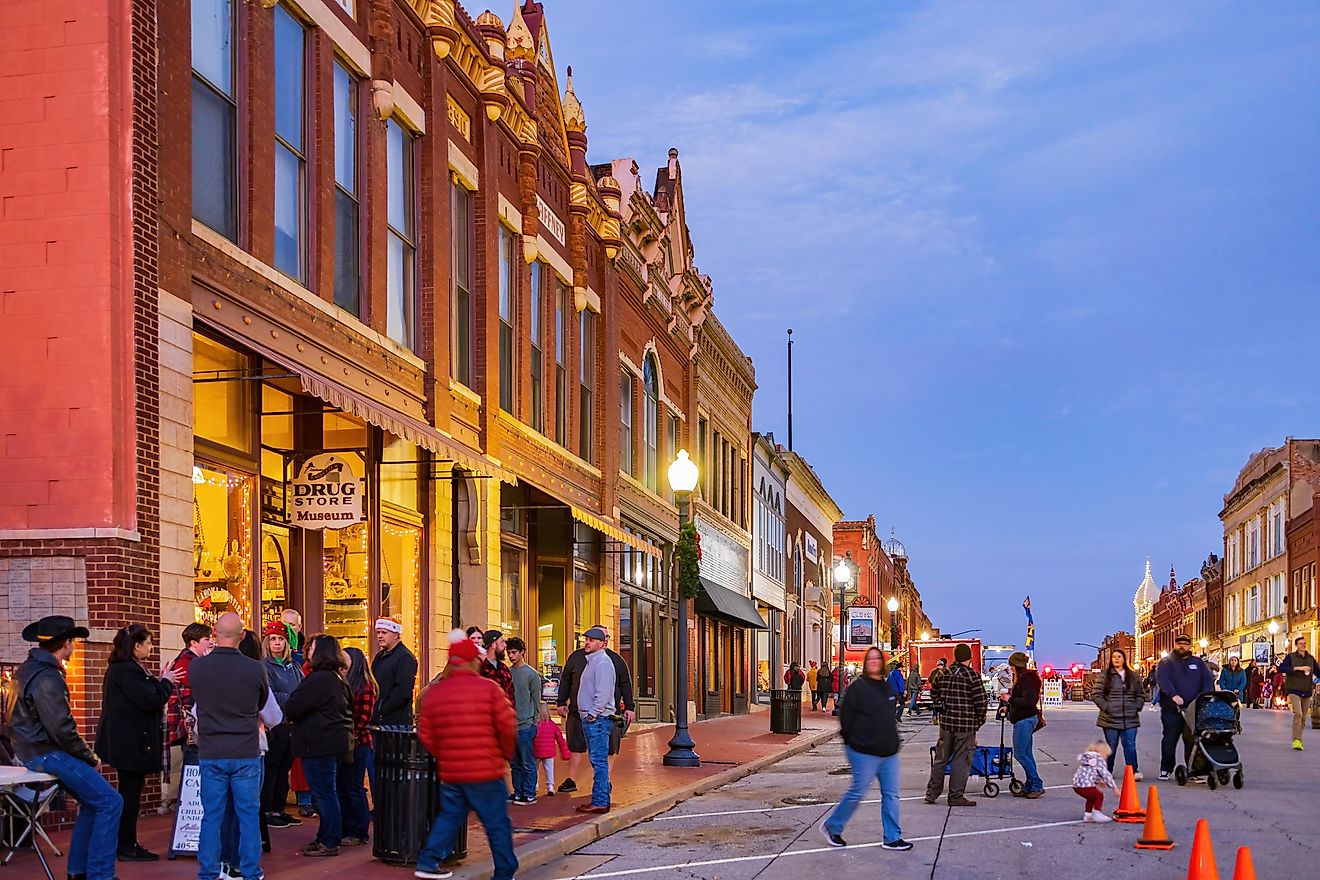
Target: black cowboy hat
56,626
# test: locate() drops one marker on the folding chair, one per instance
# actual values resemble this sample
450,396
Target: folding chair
27,796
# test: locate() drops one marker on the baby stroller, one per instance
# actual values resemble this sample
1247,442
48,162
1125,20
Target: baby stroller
990,762
1213,719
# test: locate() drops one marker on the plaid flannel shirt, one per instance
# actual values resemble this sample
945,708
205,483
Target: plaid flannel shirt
502,675
364,703
962,697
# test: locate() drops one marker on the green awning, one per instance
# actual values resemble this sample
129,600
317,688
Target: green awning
721,602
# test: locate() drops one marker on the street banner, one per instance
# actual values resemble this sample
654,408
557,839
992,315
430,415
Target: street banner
1031,625
862,626
188,821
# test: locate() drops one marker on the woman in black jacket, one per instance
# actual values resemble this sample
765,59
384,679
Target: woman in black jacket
1120,698
1024,714
321,711
130,737
868,717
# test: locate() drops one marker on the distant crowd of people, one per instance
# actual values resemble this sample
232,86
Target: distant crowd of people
259,714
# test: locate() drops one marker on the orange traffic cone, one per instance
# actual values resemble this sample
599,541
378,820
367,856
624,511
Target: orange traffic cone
1244,870
1129,805
1202,865
1153,836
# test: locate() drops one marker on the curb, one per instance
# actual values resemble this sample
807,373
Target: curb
536,853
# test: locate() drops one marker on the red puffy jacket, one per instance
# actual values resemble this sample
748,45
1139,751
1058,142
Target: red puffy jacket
468,724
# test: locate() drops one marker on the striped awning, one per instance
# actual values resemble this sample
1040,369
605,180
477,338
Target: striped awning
614,532
443,446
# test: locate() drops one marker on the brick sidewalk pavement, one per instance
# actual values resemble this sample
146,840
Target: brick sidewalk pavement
730,747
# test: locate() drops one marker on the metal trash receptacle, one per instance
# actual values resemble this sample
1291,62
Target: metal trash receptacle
786,711
406,798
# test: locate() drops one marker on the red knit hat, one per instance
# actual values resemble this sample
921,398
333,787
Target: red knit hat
461,648
276,628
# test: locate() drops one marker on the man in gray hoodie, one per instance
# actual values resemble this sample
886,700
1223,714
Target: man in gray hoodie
596,704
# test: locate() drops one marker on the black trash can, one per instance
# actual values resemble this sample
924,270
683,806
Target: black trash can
406,797
786,711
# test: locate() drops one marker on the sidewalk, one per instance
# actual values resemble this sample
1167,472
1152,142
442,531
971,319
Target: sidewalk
730,748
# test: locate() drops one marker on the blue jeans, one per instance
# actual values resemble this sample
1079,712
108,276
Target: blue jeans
229,834
1022,753
490,800
524,764
322,775
864,769
223,780
1129,739
353,795
96,833
597,734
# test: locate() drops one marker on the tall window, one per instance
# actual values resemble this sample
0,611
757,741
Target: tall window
1253,603
347,281
651,422
401,257
537,389
1276,529
461,229
586,383
290,155
1253,544
214,114
561,363
702,463
626,419
507,269
671,449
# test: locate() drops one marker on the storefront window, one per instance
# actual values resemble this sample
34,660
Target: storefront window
344,557
222,398
400,574
511,592
712,656
586,611
222,542
274,571
637,641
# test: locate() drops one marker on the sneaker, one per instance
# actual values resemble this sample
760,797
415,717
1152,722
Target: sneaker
961,802
1164,775
433,874
1297,745
291,820
307,812
318,850
353,841
1137,776
1088,817
550,792
1100,818
930,800
229,872
900,845
278,820
524,801
566,786
1032,795
831,838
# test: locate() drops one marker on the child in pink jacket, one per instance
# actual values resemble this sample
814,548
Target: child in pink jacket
549,739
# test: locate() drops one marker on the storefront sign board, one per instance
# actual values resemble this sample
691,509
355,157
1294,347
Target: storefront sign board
861,626
326,494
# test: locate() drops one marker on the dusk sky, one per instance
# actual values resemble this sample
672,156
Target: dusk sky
1051,267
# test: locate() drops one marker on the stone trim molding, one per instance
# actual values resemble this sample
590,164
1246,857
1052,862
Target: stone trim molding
69,534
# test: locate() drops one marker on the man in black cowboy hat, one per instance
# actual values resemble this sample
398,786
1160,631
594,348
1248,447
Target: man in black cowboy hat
46,739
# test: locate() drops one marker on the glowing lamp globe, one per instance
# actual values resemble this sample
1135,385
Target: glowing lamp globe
841,572
683,473
1273,627
1205,643
925,635
892,604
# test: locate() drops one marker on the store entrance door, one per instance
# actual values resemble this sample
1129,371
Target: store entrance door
552,645
727,672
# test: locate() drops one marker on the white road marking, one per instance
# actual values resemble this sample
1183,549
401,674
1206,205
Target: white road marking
915,797
769,857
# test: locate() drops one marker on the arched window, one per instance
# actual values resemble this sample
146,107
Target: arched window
651,390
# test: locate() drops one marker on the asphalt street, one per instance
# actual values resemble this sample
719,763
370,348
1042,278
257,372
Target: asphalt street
767,826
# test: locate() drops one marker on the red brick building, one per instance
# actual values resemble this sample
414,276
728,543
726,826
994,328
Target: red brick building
316,241
874,579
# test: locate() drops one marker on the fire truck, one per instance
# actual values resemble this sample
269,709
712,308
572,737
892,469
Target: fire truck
927,654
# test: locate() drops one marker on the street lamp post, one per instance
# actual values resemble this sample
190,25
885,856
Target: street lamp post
892,605
842,574
961,633
682,750
1274,631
